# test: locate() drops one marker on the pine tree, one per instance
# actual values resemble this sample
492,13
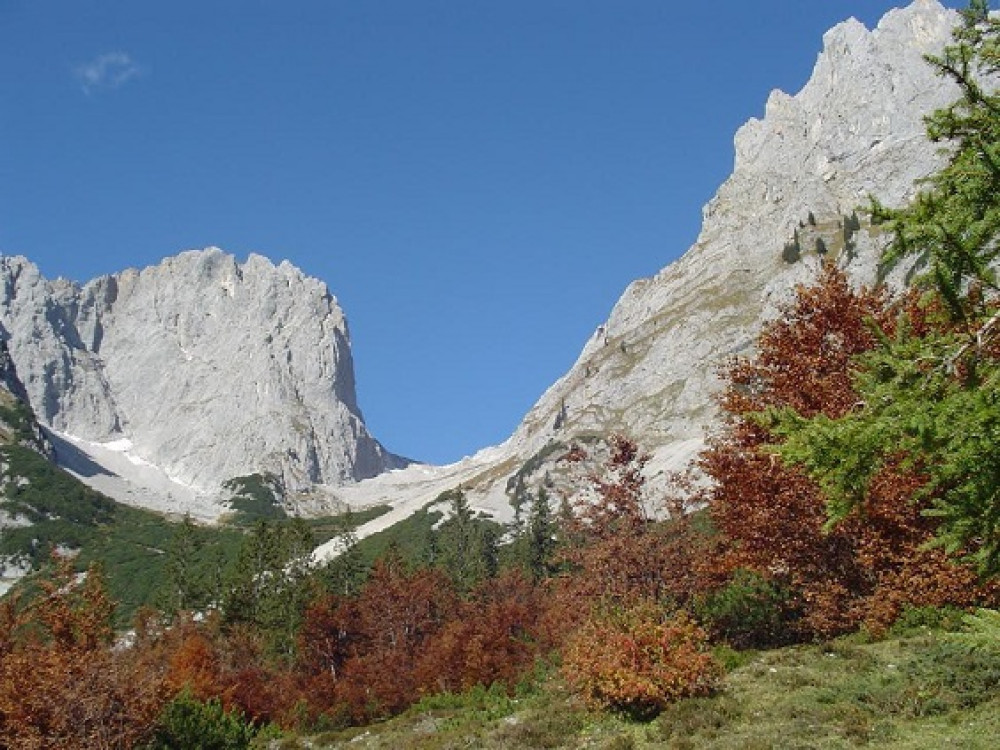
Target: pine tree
467,546
344,574
270,581
541,536
186,588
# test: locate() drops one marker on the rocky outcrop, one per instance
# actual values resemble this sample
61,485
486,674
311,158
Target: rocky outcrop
202,366
856,129
17,421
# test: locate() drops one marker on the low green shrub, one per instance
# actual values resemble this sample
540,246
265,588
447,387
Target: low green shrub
749,612
187,723
927,618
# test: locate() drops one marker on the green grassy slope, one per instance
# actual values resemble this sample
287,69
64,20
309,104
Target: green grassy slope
925,689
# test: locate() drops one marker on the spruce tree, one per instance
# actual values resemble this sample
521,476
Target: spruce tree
467,546
269,584
186,588
541,536
344,574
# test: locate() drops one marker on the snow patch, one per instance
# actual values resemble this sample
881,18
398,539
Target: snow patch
114,469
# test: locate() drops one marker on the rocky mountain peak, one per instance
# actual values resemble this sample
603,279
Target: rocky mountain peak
202,366
800,176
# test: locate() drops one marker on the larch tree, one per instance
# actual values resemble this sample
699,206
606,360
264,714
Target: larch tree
928,396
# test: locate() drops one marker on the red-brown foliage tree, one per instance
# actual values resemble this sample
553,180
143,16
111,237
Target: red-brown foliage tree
773,517
492,637
618,549
611,551
363,652
62,685
230,664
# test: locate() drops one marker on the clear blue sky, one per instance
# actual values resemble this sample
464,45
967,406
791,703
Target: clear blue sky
477,182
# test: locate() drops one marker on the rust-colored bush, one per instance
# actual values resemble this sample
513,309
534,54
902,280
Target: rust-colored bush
62,683
636,662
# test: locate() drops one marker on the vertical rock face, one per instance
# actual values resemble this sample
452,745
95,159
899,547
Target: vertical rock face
856,129
17,423
202,366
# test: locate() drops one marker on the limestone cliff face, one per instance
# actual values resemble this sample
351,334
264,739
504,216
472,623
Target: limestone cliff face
17,423
800,173
202,366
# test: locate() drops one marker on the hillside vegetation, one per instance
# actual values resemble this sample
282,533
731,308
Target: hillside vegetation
922,687
834,584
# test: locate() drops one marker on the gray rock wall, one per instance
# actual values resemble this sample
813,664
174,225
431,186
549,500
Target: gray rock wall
210,368
856,128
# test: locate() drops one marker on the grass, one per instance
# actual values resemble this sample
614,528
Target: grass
130,544
926,689
40,491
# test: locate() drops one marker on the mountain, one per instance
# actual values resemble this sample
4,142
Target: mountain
187,374
801,173
174,379
20,435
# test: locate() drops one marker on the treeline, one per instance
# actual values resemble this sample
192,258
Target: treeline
286,645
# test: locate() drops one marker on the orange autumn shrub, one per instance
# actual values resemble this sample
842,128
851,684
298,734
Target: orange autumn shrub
636,662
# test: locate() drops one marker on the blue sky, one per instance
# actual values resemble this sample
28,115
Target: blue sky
477,182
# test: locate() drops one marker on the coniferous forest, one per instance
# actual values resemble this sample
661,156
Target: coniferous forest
851,492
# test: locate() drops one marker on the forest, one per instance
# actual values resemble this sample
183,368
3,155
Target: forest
854,482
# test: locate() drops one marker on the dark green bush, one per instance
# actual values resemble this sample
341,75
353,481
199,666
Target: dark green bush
749,612
256,497
187,722
927,618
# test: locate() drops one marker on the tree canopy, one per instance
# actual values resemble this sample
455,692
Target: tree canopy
928,395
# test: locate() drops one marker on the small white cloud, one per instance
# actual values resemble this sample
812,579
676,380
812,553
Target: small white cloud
109,71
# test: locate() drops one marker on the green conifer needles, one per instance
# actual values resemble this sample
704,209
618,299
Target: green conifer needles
929,392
